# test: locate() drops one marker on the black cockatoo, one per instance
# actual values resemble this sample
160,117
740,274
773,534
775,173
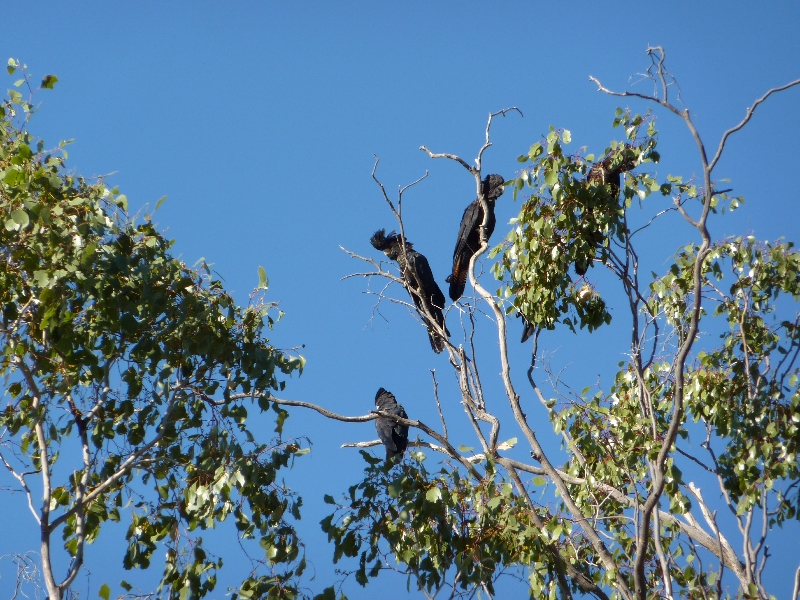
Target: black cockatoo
393,435
469,234
608,172
418,277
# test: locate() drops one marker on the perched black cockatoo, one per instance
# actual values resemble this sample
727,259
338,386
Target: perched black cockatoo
418,277
607,172
393,435
469,234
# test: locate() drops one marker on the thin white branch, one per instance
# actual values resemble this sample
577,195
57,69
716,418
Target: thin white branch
747,117
723,542
461,161
21,478
450,450
488,143
127,465
438,405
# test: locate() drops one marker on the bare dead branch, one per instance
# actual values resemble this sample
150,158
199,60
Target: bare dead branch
404,188
721,540
748,115
450,450
383,189
488,143
475,458
459,160
21,478
438,404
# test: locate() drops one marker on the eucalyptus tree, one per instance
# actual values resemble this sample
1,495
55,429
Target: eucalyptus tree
621,520
129,378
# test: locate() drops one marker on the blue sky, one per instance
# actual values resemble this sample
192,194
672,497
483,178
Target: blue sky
259,122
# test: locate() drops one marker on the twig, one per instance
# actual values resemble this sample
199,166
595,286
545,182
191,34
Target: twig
747,117
451,451
460,160
21,478
488,143
475,458
710,518
438,405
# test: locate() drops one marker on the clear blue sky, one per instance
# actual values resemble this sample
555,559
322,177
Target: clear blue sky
259,122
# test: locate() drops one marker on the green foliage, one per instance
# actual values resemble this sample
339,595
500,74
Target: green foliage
440,525
113,349
745,392
454,528
747,389
570,219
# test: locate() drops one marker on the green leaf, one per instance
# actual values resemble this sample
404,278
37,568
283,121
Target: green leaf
160,202
20,217
263,282
433,495
463,448
551,177
394,490
566,136
14,177
49,82
105,591
328,499
12,66
327,594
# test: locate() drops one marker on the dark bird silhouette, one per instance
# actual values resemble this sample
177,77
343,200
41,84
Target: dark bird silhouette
607,172
418,277
469,234
528,329
393,435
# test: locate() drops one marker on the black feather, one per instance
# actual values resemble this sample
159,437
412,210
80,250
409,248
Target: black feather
419,282
393,435
469,233
528,329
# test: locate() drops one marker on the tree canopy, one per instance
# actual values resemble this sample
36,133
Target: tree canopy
133,382
115,352
621,522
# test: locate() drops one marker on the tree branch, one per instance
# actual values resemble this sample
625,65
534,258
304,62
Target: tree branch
451,451
21,478
461,161
128,464
748,115
488,143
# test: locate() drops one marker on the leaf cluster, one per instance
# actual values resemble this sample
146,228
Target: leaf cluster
111,347
569,221
443,528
